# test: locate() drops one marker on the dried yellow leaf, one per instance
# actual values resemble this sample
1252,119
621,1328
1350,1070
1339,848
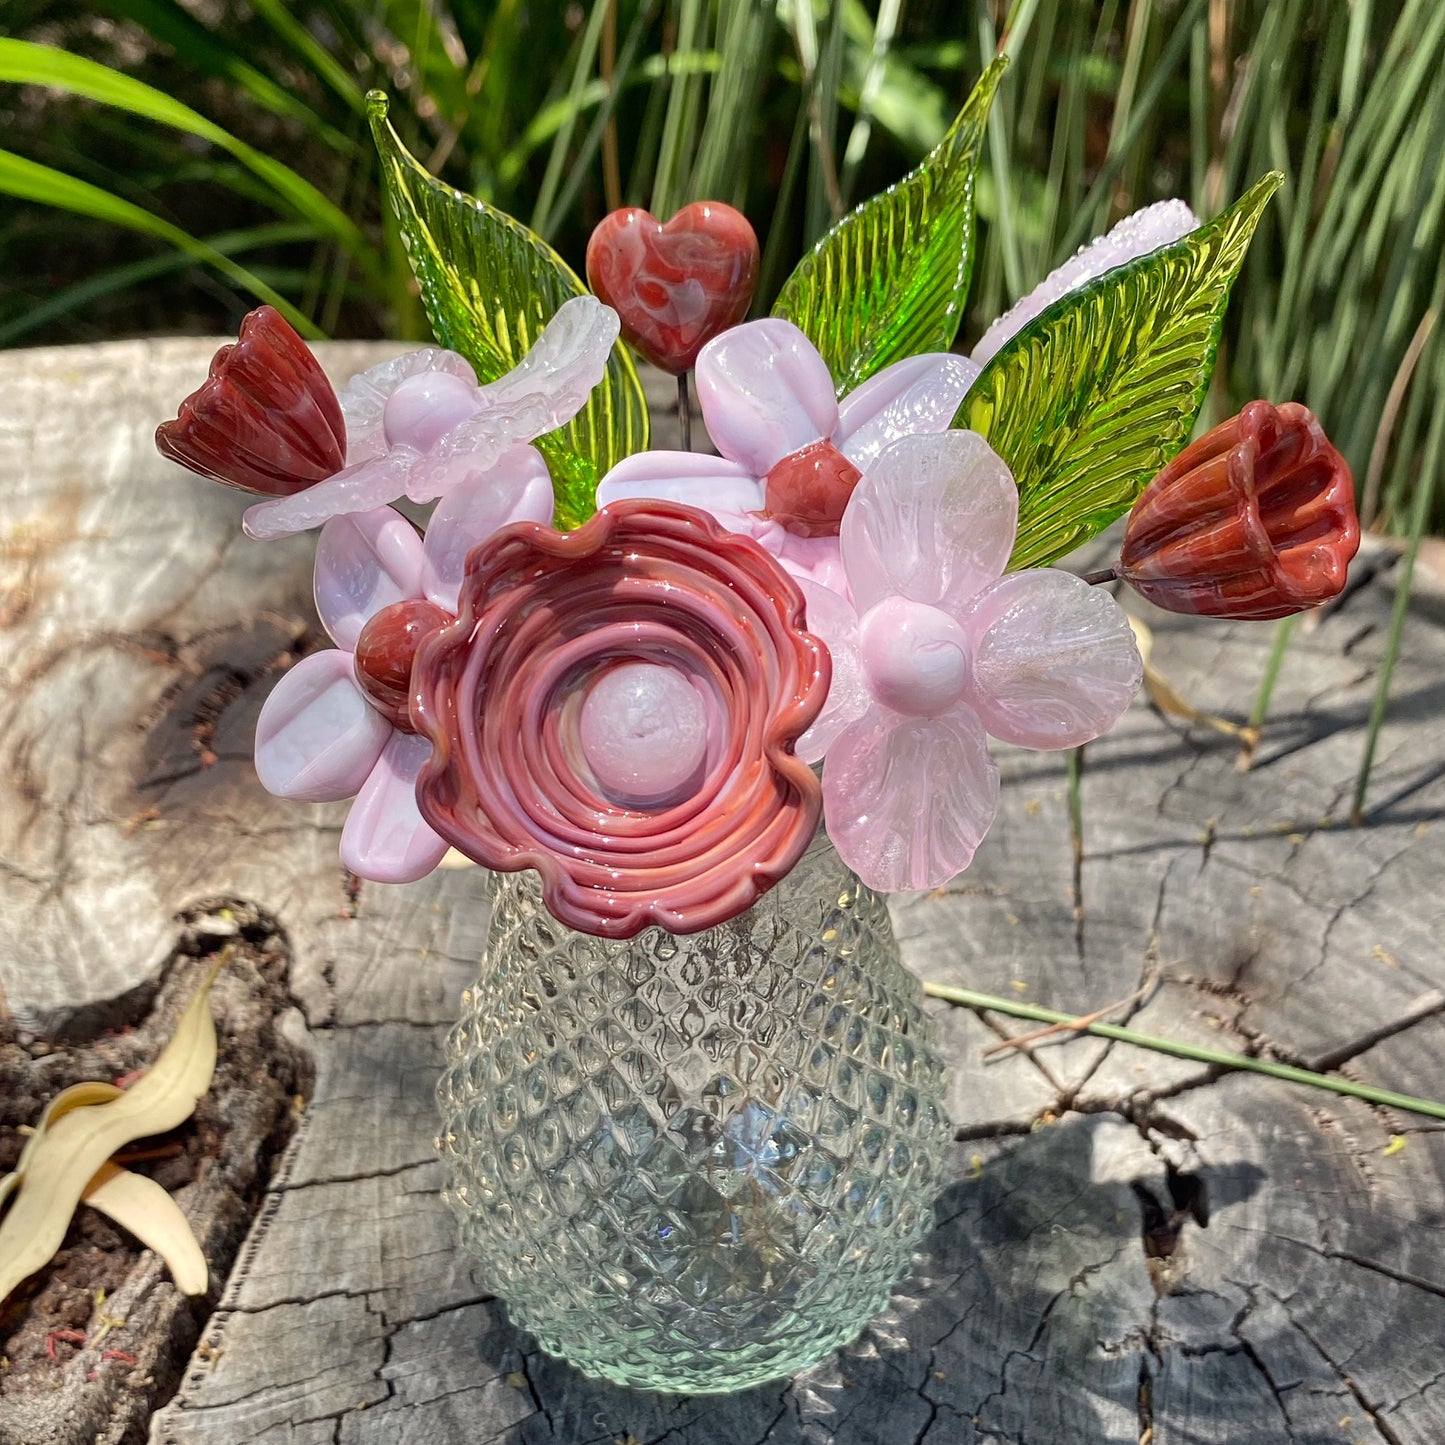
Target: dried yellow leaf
67,1153
148,1212
90,1091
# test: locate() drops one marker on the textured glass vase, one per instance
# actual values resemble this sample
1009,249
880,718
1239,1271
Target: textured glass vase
695,1163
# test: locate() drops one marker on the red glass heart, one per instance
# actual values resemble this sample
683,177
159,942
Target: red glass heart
675,285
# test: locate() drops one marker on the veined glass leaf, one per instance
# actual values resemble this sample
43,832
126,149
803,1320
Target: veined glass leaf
1099,391
891,278
489,286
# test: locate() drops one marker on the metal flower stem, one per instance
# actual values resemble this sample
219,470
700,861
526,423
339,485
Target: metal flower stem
1217,1057
684,411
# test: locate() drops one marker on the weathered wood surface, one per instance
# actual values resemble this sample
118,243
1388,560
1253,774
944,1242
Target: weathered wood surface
1132,1250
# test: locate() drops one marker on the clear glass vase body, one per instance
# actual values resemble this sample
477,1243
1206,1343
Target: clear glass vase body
695,1163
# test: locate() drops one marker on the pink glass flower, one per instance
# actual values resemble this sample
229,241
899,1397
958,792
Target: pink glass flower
337,726
420,425
617,708
266,420
791,451
939,648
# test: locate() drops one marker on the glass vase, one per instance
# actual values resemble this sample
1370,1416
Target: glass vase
695,1163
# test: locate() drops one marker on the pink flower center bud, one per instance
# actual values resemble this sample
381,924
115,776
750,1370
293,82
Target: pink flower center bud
914,656
425,407
807,490
643,731
385,650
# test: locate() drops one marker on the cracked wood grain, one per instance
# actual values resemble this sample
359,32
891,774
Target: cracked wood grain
1072,1292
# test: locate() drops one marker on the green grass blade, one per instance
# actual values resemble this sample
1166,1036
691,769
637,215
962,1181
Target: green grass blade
998,154
679,128
311,52
137,273
211,54
24,63
1217,1058
28,180
1433,464
543,213
1095,204
629,73
725,147
884,29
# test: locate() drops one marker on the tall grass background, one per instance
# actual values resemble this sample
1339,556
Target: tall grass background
169,163
210,154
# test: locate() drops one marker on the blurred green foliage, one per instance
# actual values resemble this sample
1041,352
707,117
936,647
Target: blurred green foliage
237,163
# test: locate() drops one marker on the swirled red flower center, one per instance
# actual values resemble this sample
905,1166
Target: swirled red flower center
617,708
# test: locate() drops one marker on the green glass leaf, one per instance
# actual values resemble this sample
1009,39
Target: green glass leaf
890,279
1099,391
489,286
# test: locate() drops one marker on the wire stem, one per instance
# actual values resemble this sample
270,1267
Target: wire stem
684,411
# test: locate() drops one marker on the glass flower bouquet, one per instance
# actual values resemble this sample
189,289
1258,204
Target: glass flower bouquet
696,712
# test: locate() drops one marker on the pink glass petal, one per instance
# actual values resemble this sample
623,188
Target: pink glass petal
360,488
764,392
364,397
908,800
916,395
712,483
517,489
1055,662
364,562
317,738
386,839
814,559
832,619
547,388
932,520
1147,230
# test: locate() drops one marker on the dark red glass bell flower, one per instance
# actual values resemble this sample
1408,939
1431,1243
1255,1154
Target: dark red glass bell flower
1256,519
266,420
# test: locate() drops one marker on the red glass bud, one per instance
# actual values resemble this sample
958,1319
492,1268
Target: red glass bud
1254,520
385,650
266,420
808,490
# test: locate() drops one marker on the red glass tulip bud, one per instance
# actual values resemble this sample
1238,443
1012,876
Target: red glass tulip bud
267,419
385,650
1254,520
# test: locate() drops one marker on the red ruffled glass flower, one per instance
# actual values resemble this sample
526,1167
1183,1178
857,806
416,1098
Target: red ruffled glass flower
1256,519
616,707
266,420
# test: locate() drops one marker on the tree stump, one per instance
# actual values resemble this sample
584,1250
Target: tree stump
1134,1249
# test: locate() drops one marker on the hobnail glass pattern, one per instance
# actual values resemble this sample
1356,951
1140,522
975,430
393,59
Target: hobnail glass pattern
695,1163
